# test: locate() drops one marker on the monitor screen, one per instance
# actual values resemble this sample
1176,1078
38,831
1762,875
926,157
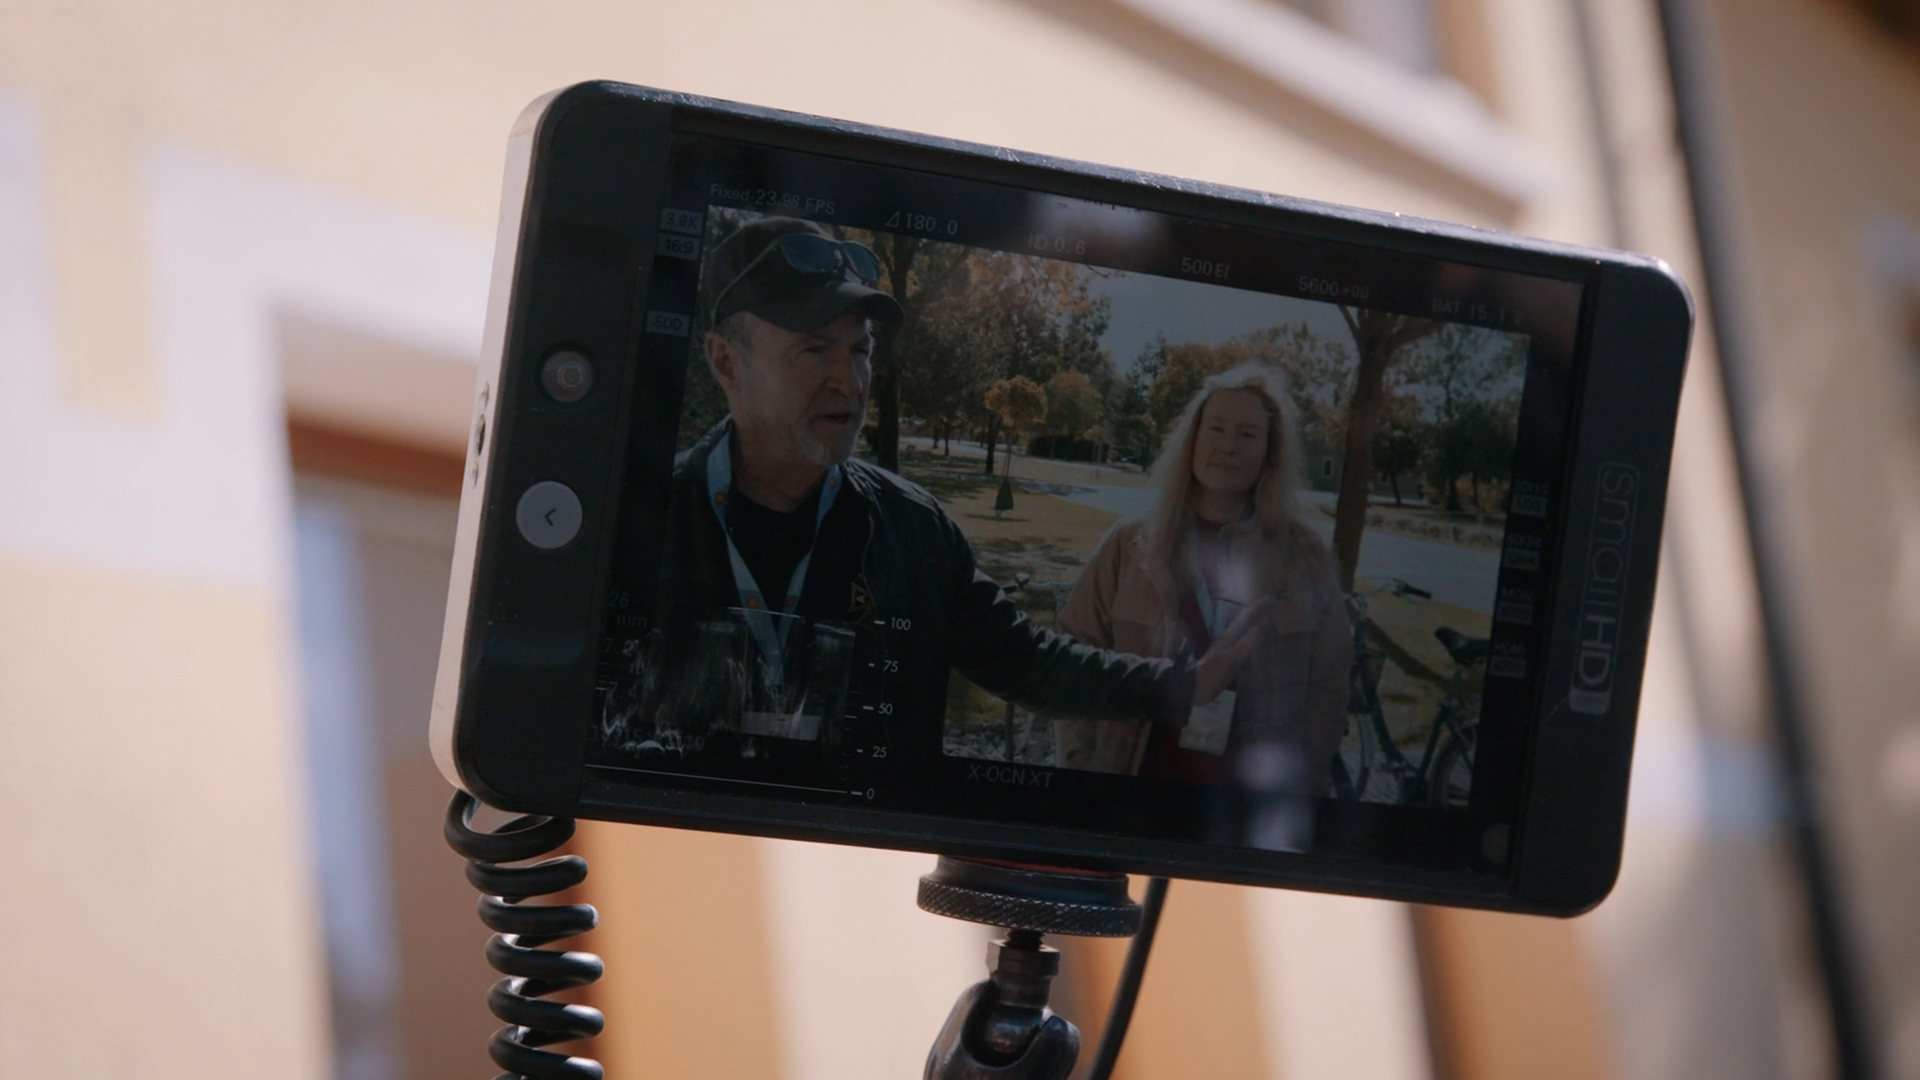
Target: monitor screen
941,493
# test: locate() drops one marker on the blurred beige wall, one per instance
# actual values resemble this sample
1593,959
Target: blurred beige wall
1825,115
192,193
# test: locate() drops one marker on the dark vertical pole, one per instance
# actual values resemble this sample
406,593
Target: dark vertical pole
1706,143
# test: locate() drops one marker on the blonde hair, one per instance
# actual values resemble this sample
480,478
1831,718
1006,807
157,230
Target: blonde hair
1277,502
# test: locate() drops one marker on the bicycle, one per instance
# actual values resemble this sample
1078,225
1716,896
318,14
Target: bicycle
1449,773
1381,772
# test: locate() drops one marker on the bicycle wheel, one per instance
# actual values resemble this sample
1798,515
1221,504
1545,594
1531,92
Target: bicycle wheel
1449,779
1372,765
1375,771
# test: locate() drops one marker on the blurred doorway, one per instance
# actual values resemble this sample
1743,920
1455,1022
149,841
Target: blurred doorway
373,536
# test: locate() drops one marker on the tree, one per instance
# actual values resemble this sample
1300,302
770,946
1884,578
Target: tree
1129,423
1471,378
1379,338
1073,406
1152,361
1317,374
949,363
943,396
912,268
989,316
1401,442
1021,405
1485,434
1049,322
1187,368
1019,402
896,262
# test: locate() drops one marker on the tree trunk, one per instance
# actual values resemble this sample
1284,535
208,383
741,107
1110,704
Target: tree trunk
886,365
1394,479
993,430
1363,421
886,409
1377,337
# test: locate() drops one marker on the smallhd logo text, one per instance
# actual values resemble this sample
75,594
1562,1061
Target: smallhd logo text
1608,547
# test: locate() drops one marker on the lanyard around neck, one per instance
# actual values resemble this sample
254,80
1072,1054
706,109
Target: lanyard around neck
773,643
1209,608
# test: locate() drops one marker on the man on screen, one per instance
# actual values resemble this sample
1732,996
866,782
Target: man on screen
774,521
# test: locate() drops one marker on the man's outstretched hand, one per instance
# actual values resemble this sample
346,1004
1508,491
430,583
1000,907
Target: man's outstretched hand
1216,670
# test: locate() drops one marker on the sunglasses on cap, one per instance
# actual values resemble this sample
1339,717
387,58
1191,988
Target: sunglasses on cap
811,253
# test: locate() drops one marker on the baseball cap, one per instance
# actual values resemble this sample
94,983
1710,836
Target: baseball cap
744,272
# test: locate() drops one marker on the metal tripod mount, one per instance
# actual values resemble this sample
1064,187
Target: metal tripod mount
1001,1029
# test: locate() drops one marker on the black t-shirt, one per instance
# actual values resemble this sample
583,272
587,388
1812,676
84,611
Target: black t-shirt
772,543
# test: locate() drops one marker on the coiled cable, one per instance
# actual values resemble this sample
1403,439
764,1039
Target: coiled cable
520,932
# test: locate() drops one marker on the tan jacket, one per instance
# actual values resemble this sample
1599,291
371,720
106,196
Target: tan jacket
1292,688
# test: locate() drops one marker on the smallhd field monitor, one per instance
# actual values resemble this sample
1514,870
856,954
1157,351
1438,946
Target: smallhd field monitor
835,483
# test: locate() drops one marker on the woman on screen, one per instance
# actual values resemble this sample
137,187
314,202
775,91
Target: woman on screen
1230,527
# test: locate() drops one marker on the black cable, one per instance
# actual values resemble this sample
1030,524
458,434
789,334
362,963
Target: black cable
1120,1014
515,949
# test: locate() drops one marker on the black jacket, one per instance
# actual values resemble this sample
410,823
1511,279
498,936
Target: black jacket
890,562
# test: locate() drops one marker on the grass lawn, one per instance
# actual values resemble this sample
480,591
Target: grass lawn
1044,535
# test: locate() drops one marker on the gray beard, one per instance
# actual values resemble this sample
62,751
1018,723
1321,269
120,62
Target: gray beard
810,447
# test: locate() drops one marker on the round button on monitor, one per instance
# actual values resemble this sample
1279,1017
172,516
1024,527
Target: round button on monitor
548,515
566,376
